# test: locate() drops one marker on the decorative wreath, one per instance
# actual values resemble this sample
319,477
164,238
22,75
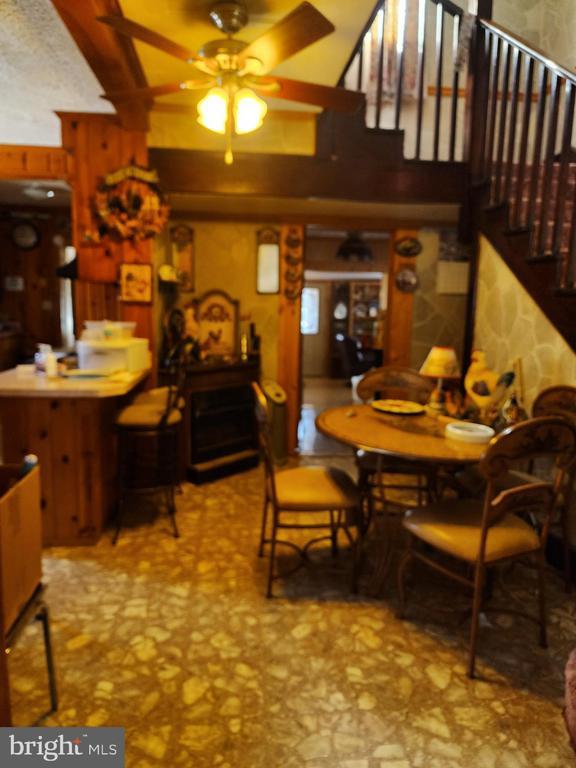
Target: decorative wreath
129,205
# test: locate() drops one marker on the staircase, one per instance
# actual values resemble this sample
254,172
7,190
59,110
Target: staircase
513,126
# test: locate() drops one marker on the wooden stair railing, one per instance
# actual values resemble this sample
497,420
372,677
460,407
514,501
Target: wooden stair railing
522,164
405,44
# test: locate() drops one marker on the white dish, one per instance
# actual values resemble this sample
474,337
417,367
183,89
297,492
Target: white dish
469,432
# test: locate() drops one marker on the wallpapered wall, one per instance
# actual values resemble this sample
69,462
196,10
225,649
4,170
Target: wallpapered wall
438,318
225,260
509,324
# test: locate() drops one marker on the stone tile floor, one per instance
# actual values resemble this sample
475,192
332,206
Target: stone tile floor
173,640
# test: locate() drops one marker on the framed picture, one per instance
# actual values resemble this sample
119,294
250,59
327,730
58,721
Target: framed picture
136,283
216,319
182,255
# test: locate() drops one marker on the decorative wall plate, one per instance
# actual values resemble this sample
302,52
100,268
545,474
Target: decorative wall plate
408,246
407,281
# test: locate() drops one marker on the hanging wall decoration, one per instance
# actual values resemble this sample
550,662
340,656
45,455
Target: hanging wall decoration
293,269
129,205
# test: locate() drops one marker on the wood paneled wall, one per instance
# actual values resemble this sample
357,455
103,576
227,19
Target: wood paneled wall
37,307
100,145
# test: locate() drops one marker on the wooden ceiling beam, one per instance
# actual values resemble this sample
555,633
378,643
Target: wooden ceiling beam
112,57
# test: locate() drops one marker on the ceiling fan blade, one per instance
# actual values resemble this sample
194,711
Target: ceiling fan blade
339,99
157,90
132,29
299,29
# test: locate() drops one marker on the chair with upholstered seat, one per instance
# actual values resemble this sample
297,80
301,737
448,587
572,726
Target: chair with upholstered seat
378,474
149,446
326,494
484,534
553,401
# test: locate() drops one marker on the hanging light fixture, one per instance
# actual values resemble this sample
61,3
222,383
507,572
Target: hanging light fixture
353,248
231,110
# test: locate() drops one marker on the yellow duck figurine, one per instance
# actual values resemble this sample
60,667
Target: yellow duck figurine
485,387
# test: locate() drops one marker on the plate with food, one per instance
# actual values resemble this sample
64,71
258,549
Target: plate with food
398,407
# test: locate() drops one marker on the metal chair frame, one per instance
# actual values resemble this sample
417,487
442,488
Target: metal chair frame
548,436
338,518
37,609
161,443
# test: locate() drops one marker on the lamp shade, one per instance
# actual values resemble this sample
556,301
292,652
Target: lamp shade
441,363
213,110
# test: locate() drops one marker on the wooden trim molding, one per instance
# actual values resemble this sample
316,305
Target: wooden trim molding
27,162
112,57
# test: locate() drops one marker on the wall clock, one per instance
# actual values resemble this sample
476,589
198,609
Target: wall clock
408,246
25,236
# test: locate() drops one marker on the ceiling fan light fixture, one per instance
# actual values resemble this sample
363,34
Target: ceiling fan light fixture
354,248
249,111
213,110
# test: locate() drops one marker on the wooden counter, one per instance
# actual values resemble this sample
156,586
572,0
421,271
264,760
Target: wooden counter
69,424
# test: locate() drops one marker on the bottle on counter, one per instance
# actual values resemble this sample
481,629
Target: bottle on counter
28,463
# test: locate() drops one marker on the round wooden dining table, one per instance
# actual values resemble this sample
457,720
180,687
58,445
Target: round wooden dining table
418,438
409,437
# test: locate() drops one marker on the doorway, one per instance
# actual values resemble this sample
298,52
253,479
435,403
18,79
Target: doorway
35,303
343,313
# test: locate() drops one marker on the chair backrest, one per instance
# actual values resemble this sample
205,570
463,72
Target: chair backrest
395,382
264,438
545,436
558,401
175,376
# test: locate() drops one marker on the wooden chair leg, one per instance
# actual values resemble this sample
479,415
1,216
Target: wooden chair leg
541,600
263,527
272,556
477,604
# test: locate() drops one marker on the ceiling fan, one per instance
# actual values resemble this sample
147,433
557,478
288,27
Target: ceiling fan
234,72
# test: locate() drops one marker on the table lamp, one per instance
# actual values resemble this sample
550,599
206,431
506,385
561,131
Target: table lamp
441,363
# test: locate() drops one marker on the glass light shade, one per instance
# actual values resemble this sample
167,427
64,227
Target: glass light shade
213,110
249,111
441,363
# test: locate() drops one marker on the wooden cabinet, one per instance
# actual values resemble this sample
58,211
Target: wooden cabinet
355,313
220,431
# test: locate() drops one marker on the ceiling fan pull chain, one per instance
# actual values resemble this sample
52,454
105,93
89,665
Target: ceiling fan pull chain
228,156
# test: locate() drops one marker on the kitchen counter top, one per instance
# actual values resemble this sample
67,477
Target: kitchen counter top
14,383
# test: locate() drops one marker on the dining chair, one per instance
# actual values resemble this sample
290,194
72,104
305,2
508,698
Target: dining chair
552,401
379,474
297,497
482,534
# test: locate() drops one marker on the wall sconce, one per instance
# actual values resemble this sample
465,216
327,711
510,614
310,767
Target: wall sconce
268,261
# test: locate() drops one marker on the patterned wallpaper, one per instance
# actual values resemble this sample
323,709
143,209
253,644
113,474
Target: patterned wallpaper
509,324
438,318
